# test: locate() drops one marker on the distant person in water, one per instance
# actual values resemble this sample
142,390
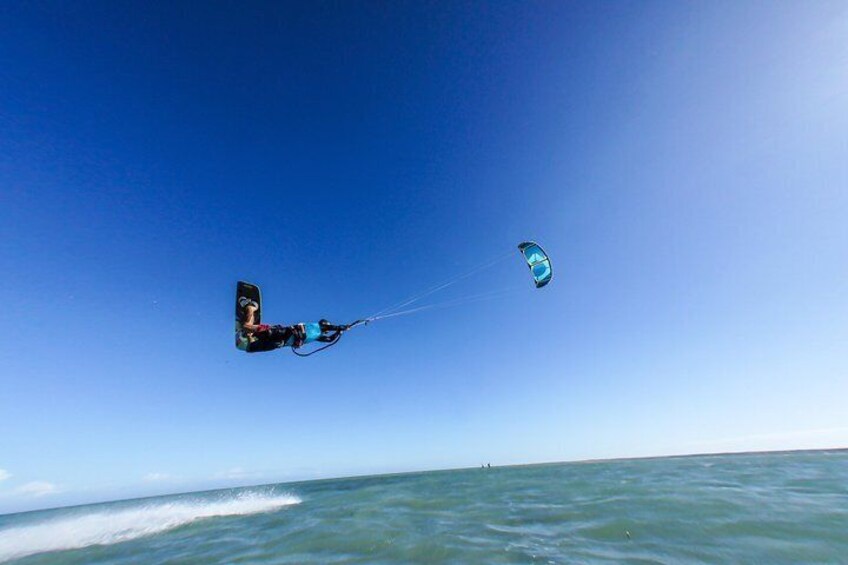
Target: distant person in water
264,337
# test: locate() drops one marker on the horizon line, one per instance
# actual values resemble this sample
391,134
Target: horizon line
446,470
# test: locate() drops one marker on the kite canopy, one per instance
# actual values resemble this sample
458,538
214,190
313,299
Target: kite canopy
538,261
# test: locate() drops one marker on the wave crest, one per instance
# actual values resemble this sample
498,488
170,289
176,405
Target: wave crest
108,526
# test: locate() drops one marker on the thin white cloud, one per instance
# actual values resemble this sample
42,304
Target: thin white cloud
4,474
236,473
156,477
37,488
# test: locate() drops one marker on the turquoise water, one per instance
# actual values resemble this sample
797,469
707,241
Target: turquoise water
754,508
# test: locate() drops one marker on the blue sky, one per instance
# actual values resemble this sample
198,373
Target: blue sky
683,163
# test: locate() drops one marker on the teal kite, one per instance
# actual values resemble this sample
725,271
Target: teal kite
538,262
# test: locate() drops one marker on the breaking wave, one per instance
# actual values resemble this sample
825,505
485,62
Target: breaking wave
108,526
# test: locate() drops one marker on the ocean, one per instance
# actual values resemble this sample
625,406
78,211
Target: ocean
750,508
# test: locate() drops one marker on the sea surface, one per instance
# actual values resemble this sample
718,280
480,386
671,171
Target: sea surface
753,508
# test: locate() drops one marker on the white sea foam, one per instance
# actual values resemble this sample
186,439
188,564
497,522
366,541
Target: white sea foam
106,526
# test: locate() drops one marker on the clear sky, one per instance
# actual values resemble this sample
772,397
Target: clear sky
685,164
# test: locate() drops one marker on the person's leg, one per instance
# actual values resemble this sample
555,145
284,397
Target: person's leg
272,338
280,333
261,345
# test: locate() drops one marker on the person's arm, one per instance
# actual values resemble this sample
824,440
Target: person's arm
326,336
329,332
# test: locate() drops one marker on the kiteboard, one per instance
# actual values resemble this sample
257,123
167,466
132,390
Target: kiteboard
246,293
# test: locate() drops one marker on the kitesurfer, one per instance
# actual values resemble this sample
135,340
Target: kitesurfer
265,337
